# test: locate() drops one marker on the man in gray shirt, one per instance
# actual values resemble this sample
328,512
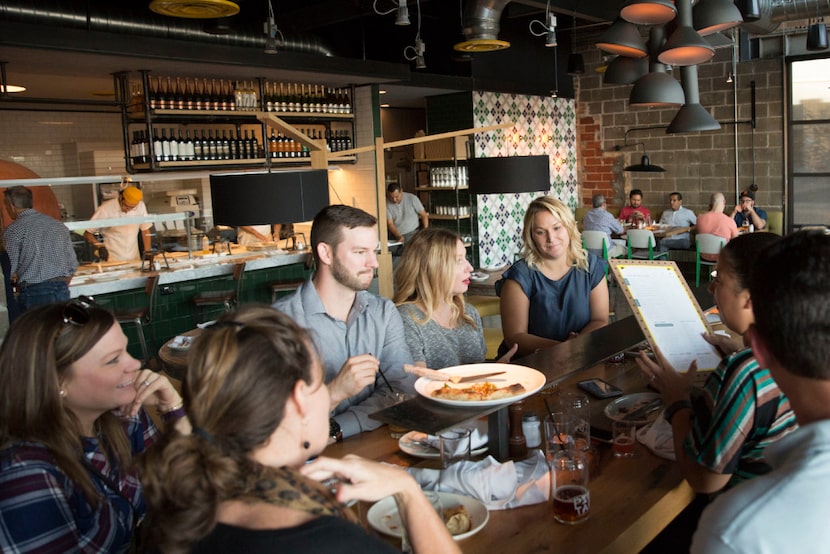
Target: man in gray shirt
359,335
600,219
404,212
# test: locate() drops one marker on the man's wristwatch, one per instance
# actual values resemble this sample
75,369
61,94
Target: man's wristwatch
334,430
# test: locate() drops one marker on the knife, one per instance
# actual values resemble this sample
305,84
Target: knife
468,378
641,413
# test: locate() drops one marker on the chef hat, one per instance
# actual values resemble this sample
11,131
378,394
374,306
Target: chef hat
132,195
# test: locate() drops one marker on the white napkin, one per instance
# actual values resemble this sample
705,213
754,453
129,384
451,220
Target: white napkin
478,435
658,437
498,485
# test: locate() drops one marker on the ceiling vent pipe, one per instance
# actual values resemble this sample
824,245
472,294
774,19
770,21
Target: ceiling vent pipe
776,12
121,20
481,26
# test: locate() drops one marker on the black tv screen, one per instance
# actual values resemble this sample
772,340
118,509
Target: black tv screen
509,174
268,198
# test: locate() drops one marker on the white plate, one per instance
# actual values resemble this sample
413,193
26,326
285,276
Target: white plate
531,379
413,443
181,343
617,408
479,276
383,515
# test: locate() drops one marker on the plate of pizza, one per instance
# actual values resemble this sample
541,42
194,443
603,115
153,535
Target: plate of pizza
514,383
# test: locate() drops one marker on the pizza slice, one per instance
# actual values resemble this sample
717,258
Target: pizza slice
478,392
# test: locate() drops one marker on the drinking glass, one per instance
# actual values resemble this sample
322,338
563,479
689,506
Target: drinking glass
454,445
571,497
624,436
558,433
577,405
393,398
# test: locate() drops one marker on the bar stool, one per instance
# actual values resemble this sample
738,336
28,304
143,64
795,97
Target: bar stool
288,285
493,336
142,316
227,298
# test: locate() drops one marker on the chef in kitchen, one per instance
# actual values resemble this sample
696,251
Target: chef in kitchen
121,241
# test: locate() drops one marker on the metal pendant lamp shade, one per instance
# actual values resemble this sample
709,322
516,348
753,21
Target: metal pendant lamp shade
656,89
195,9
713,16
624,71
685,46
817,36
644,166
622,38
750,9
576,64
648,12
692,117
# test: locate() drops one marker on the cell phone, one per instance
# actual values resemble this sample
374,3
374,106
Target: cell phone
599,388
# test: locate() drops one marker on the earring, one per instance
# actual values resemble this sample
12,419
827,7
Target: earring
63,393
306,445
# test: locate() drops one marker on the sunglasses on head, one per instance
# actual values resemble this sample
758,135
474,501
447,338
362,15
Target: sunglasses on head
76,311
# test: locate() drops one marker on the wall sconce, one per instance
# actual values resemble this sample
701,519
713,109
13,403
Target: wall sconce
622,38
648,12
645,165
713,16
685,46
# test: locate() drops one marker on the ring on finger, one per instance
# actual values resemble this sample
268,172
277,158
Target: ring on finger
146,382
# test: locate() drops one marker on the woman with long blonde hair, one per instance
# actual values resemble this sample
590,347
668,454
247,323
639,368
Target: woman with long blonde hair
430,281
557,290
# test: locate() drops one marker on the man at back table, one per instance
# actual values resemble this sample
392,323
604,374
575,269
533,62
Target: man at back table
677,216
404,213
715,222
358,334
635,211
786,510
745,213
599,219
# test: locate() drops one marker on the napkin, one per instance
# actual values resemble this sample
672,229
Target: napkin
478,435
497,485
658,437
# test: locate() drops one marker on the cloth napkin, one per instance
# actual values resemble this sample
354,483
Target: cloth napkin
658,437
497,485
478,435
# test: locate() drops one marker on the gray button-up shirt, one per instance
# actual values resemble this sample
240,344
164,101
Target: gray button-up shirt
373,327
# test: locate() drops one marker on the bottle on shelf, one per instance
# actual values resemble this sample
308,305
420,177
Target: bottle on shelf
189,95
153,92
226,146
189,154
178,94
169,94
165,147
254,149
174,147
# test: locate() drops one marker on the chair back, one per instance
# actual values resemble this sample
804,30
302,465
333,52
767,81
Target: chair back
238,274
709,244
151,290
595,240
641,238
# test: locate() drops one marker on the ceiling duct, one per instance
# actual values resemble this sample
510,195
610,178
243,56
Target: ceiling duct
118,19
776,12
481,26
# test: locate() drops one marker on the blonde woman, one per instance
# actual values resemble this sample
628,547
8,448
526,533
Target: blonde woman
557,290
430,281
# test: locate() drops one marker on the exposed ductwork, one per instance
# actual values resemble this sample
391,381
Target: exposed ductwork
481,26
118,19
776,12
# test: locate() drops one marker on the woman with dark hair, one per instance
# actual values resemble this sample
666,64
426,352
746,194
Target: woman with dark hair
71,421
557,290
721,431
241,481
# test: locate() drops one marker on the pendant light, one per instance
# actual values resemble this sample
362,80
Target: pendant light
713,16
692,116
750,9
817,36
195,9
645,166
625,71
656,88
576,64
622,38
648,12
685,46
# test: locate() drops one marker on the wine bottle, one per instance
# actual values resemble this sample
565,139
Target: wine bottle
178,94
165,147
231,95
189,154
157,148
254,145
212,151
189,100
174,147
226,146
154,93
169,95
200,95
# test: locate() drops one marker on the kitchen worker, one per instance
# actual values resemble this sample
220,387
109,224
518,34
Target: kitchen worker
120,241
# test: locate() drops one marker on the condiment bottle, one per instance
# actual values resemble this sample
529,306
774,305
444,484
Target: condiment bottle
516,444
531,430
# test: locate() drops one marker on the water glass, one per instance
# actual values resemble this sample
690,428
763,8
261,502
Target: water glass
559,427
454,445
577,405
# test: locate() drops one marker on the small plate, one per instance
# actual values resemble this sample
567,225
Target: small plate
181,343
616,409
479,276
531,379
383,515
414,444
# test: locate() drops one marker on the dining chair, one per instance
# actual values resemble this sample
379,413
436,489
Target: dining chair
227,298
641,244
142,316
706,244
597,242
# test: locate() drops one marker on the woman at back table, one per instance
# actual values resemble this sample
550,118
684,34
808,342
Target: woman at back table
242,481
557,290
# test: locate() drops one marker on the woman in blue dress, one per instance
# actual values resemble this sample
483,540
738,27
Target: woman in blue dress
557,290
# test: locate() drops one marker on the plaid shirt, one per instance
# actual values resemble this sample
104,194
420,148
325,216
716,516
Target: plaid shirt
42,510
39,248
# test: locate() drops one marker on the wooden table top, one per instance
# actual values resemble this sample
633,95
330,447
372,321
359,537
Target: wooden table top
175,361
632,499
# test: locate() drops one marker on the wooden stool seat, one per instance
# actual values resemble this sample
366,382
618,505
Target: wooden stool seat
227,298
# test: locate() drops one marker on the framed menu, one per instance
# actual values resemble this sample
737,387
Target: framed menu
667,311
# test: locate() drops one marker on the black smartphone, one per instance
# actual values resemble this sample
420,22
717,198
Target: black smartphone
599,388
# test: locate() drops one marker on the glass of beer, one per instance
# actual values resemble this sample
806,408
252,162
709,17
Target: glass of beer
624,436
571,498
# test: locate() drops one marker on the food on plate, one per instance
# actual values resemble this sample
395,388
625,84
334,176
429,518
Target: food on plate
478,392
425,372
457,520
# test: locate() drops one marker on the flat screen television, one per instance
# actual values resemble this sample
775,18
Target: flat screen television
509,174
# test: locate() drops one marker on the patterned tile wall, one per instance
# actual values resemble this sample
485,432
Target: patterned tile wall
543,125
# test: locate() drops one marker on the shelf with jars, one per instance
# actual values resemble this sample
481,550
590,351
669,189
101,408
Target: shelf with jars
188,122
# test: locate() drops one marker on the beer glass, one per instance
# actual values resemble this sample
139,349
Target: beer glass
571,497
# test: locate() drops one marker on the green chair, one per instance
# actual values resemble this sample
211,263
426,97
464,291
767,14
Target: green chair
641,244
706,244
597,242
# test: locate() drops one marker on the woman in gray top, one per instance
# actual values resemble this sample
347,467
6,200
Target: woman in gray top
430,281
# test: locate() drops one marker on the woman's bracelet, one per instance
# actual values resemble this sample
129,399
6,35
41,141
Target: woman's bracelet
174,413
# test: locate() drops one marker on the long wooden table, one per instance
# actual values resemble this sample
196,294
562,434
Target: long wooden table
632,500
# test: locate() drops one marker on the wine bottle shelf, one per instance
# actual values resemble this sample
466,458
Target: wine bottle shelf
449,217
238,114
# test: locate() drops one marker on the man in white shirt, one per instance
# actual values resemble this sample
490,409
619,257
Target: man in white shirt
404,213
785,510
677,216
121,241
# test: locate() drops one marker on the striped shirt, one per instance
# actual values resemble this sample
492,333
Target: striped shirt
42,510
738,413
39,248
